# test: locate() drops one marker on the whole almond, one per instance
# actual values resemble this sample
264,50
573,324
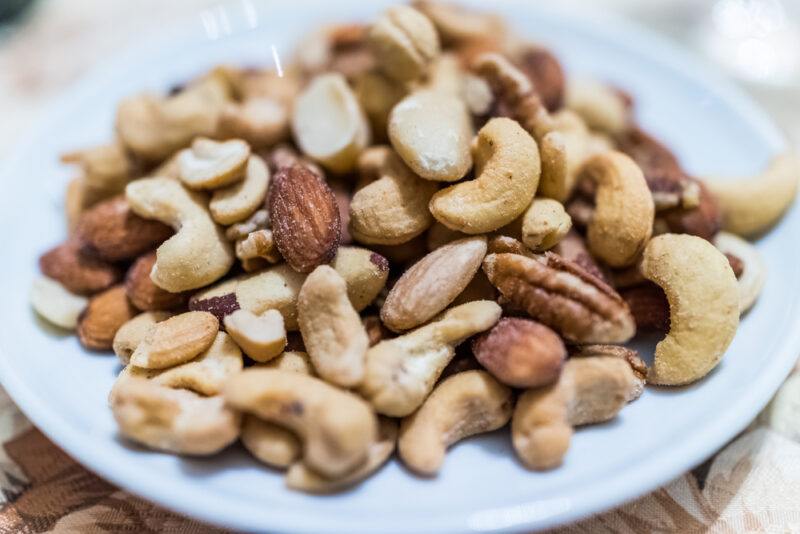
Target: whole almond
521,353
176,340
77,271
305,218
144,294
104,315
111,231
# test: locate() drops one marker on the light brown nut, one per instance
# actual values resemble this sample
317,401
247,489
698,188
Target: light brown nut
102,317
599,105
261,121
112,232
520,352
545,73
77,271
261,337
258,250
259,220
305,218
704,306
74,202
432,283
364,271
401,371
638,366
463,405
753,273
198,254
404,43
176,340
589,390
560,294
431,131
458,24
299,477
393,208
133,332
377,95
702,219
329,124
237,202
296,361
752,205
544,224
572,247
105,171
173,420
212,164
334,337
507,174
338,48
623,217
269,443
55,303
336,427
144,293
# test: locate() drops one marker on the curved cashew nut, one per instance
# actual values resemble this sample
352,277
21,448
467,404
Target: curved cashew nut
404,42
599,105
544,224
177,268
401,371
754,272
703,306
623,217
589,390
751,205
507,170
134,331
239,201
394,208
463,405
210,164
336,427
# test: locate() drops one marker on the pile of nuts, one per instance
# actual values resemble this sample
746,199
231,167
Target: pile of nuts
419,232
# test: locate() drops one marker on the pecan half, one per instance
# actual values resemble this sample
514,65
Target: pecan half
572,247
545,72
563,296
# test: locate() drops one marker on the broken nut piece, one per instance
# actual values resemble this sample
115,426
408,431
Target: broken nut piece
176,340
212,164
261,337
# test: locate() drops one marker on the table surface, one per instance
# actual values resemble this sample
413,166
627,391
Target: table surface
751,485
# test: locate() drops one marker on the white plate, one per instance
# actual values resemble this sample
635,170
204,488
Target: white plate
713,128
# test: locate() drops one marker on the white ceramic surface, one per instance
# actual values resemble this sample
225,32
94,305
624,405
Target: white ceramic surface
63,389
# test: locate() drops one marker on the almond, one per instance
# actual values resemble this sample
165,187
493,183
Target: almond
112,232
305,218
77,271
176,340
104,315
144,294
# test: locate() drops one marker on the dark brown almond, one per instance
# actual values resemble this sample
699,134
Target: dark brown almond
544,70
105,314
77,271
649,306
144,294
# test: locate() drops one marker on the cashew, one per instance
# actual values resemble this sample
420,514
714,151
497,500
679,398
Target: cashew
377,95
364,271
329,124
291,360
262,337
300,477
198,254
392,209
260,120
599,105
432,131
257,250
457,24
461,406
751,205
507,170
332,331
623,217
400,372
544,224
176,340
239,201
447,76
336,427
105,171
752,279
404,42
432,283
56,304
209,164
589,390
703,305
134,331
269,443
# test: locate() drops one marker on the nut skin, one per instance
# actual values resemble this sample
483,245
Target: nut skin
77,271
520,352
105,314
144,294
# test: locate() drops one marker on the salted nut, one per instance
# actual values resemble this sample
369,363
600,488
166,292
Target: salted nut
754,271
133,332
703,304
176,340
259,120
237,202
55,303
544,224
599,105
463,405
211,164
404,42
262,337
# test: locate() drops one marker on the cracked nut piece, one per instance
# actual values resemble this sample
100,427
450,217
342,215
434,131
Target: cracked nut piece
378,94
237,202
563,296
400,372
269,443
335,339
77,271
305,218
520,352
176,340
589,390
261,337
463,405
104,315
212,164
702,219
257,250
56,304
404,42
457,24
144,293
703,306
753,273
261,121
329,124
431,284
638,366
507,175
336,427
599,105
133,332
544,224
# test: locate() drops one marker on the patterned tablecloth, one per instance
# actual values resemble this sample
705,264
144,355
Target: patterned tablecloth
751,485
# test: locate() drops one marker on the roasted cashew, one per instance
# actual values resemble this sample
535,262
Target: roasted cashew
393,208
704,306
261,337
400,372
461,406
457,24
622,222
134,331
262,121
210,164
404,42
177,268
239,201
589,390
507,170
544,224
754,273
336,427
599,105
